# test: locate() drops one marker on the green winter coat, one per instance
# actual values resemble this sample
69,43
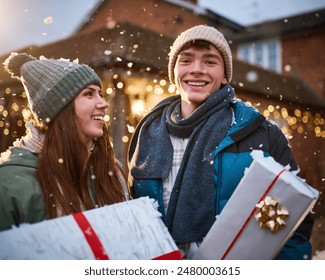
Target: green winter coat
21,199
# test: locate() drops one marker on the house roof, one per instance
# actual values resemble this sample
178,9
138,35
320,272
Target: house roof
129,43
305,22
274,86
215,17
117,46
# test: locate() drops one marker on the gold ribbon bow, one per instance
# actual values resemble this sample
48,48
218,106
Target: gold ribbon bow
270,215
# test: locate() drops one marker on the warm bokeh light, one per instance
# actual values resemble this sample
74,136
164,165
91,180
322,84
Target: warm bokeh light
145,93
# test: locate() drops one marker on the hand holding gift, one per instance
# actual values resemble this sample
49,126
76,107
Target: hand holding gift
126,230
264,211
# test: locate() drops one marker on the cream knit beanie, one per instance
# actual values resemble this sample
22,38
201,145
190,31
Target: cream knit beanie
201,32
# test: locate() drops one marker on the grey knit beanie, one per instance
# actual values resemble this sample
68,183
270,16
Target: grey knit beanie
201,32
50,84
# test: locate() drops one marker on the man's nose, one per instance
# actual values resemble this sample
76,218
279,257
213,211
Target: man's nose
198,66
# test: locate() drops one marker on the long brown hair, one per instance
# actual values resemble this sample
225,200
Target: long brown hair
71,179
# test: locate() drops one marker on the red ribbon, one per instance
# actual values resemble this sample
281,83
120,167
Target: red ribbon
91,237
174,255
97,247
251,215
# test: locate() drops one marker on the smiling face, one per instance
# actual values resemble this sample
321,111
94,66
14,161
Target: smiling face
90,110
199,71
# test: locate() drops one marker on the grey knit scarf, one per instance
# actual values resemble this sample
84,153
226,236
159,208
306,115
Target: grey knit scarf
191,208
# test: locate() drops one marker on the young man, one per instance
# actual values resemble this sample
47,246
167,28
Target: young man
190,152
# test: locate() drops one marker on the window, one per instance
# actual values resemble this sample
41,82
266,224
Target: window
266,54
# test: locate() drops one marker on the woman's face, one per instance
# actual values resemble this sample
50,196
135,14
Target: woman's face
90,109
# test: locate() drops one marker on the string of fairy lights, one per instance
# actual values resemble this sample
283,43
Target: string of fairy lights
289,119
298,120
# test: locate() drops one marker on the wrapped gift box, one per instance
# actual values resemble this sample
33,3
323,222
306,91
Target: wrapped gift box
261,215
127,230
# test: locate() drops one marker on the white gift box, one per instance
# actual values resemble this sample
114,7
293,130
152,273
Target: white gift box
127,230
237,233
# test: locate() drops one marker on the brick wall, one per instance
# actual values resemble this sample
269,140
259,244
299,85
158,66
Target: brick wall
306,57
159,16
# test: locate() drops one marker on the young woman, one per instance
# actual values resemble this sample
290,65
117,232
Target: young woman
65,164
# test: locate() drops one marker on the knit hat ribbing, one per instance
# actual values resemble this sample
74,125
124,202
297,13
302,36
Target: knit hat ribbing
201,32
50,84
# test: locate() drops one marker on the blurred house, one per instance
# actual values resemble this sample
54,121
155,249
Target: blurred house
278,68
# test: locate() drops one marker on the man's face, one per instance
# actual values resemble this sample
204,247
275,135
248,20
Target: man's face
198,73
